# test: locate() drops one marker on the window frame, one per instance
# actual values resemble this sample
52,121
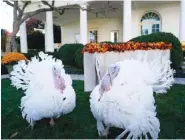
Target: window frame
97,35
117,31
154,15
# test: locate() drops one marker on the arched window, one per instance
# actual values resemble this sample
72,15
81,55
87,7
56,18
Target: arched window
150,23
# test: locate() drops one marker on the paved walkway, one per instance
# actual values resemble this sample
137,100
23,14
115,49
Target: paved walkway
81,77
73,76
5,76
77,76
180,81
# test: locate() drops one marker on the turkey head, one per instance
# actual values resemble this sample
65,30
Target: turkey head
59,81
107,80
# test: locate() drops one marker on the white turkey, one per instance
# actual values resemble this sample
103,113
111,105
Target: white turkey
48,90
124,98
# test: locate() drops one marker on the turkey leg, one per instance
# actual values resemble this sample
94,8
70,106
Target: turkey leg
52,122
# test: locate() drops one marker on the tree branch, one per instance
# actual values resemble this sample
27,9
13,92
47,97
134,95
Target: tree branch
11,4
53,3
8,3
25,5
34,13
59,10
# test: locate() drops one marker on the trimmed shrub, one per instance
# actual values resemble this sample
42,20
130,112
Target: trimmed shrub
54,54
79,58
4,70
67,53
31,54
73,70
176,55
3,43
108,42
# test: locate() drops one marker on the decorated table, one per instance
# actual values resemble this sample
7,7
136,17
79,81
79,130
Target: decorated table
98,56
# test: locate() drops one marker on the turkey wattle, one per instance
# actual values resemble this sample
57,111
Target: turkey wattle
129,103
48,90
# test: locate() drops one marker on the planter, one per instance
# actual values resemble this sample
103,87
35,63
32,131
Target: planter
90,79
91,76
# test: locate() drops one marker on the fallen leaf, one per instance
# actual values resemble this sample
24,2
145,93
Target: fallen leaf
13,135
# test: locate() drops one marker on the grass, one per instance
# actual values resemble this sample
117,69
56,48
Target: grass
80,123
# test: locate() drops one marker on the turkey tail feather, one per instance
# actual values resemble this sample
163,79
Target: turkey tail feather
163,74
35,69
20,75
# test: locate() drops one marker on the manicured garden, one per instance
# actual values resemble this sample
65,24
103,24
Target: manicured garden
80,123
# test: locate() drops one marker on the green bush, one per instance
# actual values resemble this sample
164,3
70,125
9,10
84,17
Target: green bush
3,43
108,42
73,69
31,54
67,53
176,51
4,70
54,54
79,58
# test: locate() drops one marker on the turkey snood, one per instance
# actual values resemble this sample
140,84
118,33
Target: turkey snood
107,80
58,80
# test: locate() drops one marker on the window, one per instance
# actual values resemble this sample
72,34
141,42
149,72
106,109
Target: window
150,23
77,38
93,36
114,36
155,28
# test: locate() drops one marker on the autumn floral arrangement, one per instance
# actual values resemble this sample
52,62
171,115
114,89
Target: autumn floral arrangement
183,46
12,57
121,47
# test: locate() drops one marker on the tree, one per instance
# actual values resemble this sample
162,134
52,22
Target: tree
32,23
19,15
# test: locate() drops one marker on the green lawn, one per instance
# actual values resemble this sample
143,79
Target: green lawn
80,123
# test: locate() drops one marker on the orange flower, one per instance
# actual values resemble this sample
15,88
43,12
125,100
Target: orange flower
12,57
121,47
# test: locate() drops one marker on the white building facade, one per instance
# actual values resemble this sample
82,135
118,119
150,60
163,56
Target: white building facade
116,21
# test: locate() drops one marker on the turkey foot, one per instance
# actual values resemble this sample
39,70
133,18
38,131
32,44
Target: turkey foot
52,122
105,132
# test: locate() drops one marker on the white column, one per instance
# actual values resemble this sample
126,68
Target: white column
45,35
49,37
23,38
83,24
127,21
182,21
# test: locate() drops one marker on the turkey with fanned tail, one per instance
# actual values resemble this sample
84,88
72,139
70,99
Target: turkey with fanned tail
48,89
124,98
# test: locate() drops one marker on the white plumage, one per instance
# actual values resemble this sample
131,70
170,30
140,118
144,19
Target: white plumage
48,90
129,102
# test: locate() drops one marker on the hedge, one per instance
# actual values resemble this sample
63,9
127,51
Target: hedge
176,55
67,53
4,70
79,57
31,54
